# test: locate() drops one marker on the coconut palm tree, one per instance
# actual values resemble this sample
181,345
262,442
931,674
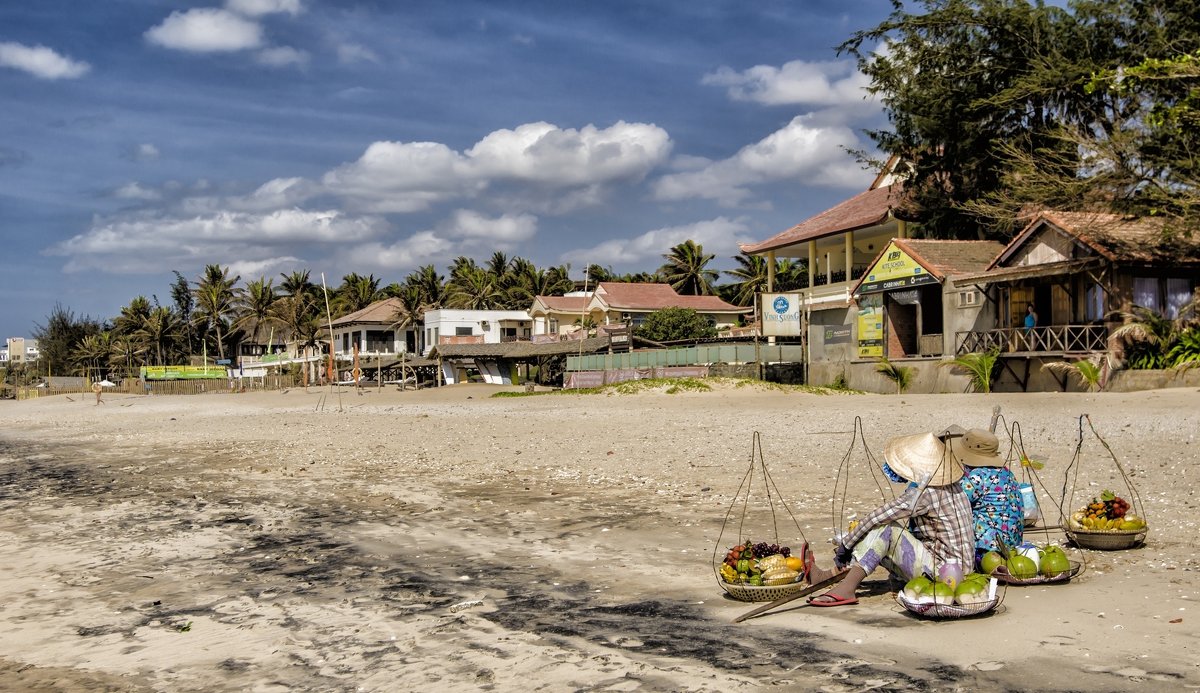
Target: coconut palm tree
254,307
474,288
901,375
355,293
1088,372
295,282
431,285
132,316
982,368
686,269
215,302
92,354
161,330
125,352
752,273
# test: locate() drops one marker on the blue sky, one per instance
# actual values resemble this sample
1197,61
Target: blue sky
139,137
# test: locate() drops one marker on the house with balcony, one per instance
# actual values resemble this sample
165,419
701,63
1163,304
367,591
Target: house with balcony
629,304
373,332
559,315
1079,271
447,326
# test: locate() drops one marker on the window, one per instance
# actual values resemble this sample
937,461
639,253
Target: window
1145,293
1094,310
1162,295
462,332
966,299
1179,292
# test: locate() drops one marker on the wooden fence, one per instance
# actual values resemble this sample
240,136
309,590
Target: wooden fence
134,386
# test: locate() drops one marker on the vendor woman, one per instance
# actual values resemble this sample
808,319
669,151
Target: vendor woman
926,526
992,489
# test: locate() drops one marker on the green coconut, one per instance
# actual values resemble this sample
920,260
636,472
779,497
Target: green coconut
971,592
990,561
1021,567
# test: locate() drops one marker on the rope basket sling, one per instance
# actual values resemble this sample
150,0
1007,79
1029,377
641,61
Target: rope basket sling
1081,529
844,523
1031,482
740,584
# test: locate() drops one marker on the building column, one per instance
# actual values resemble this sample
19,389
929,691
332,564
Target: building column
902,230
771,271
849,254
812,263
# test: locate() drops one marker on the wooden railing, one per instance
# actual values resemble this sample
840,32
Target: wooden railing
1054,339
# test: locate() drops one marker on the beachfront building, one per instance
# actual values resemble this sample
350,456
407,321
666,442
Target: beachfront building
19,350
1079,271
629,304
559,315
374,332
456,326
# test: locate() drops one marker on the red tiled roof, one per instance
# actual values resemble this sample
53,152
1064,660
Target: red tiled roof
1116,238
869,208
379,313
943,258
566,304
648,296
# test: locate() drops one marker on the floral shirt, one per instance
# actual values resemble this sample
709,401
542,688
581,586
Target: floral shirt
996,505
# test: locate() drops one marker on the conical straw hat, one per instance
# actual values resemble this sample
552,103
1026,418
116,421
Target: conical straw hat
922,456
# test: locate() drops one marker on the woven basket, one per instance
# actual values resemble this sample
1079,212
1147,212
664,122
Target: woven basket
1108,539
763,593
1003,576
948,610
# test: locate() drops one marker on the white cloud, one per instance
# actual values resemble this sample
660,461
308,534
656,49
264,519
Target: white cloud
256,8
820,83
411,176
141,153
354,53
282,56
719,236
41,62
135,191
800,151
464,223
206,30
140,243
419,249
249,269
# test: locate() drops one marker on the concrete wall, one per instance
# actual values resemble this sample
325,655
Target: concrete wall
1131,381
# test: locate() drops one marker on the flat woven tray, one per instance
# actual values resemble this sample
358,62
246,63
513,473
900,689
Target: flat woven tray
1108,539
764,593
935,610
1002,575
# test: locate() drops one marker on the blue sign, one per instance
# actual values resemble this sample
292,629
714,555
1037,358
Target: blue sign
781,305
223,362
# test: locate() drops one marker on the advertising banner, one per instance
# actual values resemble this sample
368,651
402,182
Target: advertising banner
781,315
870,327
895,270
183,372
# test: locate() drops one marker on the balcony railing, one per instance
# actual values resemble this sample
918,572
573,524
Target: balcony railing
1053,339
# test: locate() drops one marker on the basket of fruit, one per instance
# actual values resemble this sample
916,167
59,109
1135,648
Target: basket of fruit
1031,565
761,572
1106,524
974,595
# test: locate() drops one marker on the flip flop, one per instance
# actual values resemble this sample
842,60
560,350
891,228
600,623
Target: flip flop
808,559
828,599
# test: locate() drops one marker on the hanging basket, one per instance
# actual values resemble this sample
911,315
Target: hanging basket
934,610
745,585
1002,575
1076,524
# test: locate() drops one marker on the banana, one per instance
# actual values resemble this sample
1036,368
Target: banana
781,577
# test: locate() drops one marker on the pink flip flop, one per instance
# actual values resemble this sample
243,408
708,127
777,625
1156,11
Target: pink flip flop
828,599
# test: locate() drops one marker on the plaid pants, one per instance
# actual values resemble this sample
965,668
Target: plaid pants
896,549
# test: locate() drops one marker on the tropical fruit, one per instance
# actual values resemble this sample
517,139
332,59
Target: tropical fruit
1021,567
943,593
990,561
971,592
1054,562
918,590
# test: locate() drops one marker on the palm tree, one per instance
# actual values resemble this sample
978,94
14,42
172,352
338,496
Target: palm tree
295,282
901,375
498,265
1147,337
685,269
161,330
752,271
124,351
474,288
355,293
254,305
431,285
215,302
92,353
980,366
1088,372
132,316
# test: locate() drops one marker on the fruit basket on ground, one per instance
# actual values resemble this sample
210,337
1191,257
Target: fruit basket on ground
757,571
1108,522
1029,564
974,594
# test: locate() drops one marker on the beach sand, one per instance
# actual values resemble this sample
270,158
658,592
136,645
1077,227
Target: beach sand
395,541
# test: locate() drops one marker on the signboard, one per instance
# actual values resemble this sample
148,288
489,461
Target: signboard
223,362
182,373
895,269
870,327
781,315
837,334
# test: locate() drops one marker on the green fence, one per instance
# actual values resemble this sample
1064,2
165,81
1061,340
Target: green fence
699,355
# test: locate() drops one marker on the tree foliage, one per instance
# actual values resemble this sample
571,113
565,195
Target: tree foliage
675,324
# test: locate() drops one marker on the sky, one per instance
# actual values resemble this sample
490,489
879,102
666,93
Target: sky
142,137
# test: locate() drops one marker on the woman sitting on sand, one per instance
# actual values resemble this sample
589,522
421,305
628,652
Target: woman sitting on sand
926,526
992,489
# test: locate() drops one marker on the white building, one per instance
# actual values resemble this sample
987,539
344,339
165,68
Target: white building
451,326
373,330
19,350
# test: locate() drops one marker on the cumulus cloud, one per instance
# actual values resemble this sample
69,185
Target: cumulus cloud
144,242
465,223
819,83
262,268
40,61
720,236
256,8
418,249
802,151
282,56
349,53
411,176
206,30
135,191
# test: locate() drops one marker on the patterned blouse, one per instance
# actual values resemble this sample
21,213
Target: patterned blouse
996,504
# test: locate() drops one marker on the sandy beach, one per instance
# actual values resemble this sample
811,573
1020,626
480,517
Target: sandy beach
394,541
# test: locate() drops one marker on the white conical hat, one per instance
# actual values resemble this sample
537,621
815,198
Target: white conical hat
922,456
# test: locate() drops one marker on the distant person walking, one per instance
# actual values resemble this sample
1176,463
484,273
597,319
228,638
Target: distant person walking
98,389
